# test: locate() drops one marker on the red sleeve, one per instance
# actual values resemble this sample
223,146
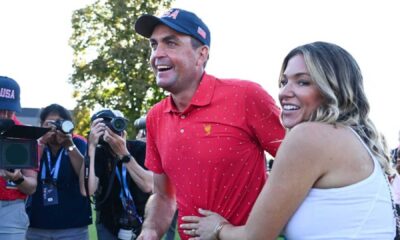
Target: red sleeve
16,120
263,117
153,159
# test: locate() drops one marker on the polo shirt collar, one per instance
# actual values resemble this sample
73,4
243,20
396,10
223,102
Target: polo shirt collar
202,96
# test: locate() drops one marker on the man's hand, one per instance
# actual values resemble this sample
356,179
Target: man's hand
116,142
12,175
47,138
148,234
65,139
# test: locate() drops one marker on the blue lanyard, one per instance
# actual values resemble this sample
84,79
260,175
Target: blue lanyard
125,189
53,170
124,184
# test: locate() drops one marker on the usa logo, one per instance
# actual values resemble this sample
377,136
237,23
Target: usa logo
173,13
201,32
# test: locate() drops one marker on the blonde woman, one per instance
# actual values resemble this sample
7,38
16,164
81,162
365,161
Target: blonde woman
328,180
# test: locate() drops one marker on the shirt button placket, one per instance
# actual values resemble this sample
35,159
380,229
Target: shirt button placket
183,116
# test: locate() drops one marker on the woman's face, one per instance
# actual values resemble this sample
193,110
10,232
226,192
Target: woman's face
299,95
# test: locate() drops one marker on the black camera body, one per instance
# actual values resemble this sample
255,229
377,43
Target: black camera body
18,145
116,124
65,126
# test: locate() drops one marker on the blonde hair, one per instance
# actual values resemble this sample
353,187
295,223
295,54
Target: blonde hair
340,81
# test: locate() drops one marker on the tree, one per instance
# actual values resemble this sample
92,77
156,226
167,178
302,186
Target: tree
110,63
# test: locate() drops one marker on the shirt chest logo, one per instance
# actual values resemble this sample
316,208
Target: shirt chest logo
207,129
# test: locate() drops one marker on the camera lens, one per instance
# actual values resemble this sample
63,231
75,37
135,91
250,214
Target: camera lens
67,126
118,124
140,123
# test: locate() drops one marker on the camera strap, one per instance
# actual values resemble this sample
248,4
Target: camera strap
86,162
125,194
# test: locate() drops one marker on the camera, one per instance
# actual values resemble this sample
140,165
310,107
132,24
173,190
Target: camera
129,225
116,123
65,126
18,145
140,123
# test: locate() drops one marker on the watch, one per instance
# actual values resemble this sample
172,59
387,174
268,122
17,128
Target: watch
71,148
19,180
126,158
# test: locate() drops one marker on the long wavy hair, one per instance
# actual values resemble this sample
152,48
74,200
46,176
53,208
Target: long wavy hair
339,79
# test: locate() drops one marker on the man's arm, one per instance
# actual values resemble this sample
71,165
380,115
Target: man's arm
142,177
75,155
76,158
29,176
160,209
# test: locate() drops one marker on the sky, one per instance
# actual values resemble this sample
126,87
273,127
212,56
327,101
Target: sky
249,40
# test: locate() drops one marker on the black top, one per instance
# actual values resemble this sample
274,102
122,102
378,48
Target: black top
110,211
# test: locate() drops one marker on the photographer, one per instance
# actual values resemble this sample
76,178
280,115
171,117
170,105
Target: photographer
116,177
57,210
15,185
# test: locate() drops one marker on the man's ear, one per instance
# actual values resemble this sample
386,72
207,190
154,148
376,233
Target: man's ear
204,51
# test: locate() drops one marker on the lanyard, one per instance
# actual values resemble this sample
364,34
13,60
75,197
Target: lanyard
125,193
124,184
52,170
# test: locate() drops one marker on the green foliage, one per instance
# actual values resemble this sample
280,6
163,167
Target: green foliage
110,64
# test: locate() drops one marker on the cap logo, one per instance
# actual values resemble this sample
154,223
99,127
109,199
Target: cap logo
173,13
201,32
7,93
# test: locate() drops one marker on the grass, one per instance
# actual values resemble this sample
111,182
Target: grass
92,227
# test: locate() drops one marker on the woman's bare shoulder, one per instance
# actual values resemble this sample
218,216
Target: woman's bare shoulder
314,141
314,133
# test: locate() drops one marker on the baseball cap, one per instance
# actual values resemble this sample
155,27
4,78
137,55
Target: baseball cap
179,20
106,113
9,94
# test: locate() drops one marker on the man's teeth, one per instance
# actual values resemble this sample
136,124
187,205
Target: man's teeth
163,67
290,107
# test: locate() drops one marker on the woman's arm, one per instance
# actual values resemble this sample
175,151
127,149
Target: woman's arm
297,167
96,131
93,181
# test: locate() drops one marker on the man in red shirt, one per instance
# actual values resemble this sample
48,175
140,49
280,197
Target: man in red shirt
206,141
16,185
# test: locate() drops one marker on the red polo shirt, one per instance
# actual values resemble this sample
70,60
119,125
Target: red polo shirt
213,151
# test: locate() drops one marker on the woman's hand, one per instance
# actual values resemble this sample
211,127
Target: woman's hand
97,130
204,228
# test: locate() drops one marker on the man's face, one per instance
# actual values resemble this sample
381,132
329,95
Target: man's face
174,61
6,114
